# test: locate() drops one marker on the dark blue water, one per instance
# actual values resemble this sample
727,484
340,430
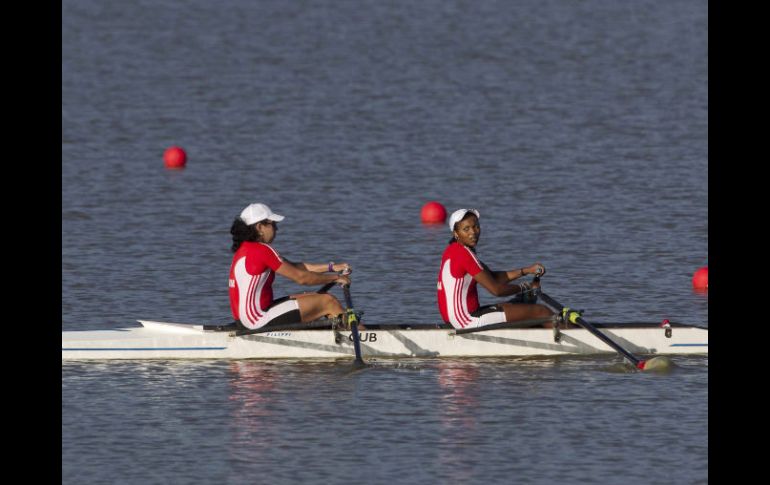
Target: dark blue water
579,131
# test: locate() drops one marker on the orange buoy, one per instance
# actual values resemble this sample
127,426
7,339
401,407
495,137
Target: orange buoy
433,213
174,157
700,280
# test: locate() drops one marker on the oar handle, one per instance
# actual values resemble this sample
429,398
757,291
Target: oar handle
328,286
538,273
536,291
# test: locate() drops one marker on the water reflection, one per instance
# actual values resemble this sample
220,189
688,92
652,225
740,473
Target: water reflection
458,382
253,387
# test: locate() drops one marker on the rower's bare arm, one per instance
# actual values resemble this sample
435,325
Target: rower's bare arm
486,279
321,267
499,276
514,274
504,277
324,267
299,275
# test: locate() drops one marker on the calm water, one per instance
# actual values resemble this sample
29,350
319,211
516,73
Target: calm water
578,129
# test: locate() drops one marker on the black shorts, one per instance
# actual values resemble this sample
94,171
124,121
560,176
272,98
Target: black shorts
282,311
483,310
497,307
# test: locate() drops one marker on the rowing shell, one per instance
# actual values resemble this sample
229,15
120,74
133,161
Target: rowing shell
160,340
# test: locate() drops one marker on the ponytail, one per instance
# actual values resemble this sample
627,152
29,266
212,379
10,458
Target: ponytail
242,232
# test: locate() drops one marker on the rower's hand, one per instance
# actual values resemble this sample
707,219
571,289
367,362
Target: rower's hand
343,268
343,280
536,269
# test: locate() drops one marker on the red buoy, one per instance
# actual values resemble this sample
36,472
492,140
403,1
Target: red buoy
433,213
700,280
174,157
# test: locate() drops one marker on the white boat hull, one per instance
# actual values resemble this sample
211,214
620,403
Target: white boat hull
160,340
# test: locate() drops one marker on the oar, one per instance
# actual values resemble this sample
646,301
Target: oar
353,320
656,363
328,286
325,287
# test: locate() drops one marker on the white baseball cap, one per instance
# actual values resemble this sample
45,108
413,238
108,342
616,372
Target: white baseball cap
458,215
258,212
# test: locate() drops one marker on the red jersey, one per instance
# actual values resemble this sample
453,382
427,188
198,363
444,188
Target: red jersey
457,295
251,281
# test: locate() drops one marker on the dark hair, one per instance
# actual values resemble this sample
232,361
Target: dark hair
242,232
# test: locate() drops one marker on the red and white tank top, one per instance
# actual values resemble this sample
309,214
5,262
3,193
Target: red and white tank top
457,295
251,281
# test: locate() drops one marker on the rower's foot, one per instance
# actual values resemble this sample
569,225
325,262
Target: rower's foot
338,322
342,321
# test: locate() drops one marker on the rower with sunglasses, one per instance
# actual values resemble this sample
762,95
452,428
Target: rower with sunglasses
253,270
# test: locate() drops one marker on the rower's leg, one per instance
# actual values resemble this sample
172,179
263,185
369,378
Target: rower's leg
313,306
526,311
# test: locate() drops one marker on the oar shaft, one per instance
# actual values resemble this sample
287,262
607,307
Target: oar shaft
326,287
353,324
580,321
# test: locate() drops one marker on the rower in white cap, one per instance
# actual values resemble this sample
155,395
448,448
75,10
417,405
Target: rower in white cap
461,270
253,270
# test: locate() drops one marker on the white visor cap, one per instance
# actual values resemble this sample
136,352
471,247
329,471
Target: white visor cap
258,212
458,215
